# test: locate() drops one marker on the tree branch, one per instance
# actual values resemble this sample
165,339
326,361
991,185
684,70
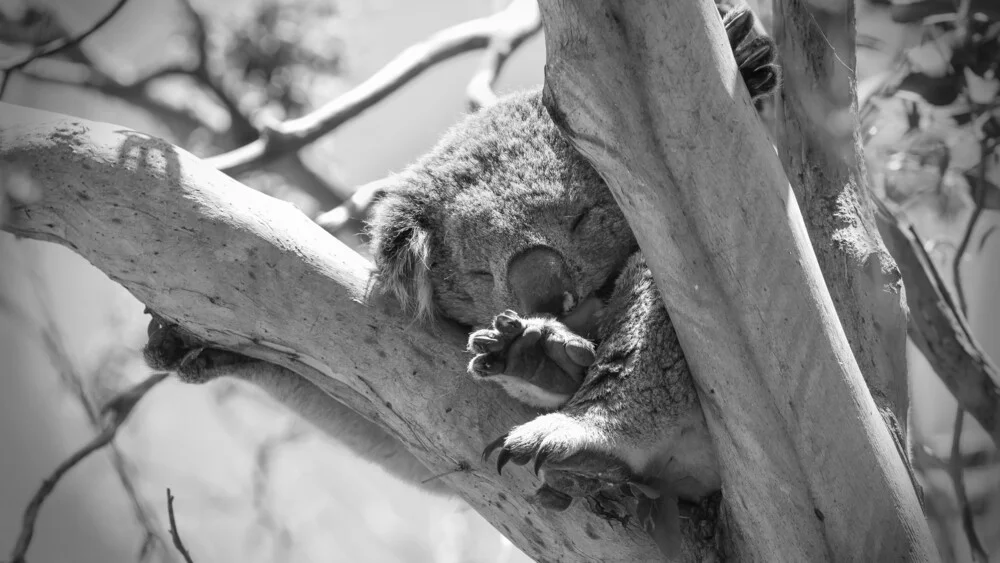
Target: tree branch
710,205
294,134
817,56
116,412
58,45
174,534
940,331
525,21
252,274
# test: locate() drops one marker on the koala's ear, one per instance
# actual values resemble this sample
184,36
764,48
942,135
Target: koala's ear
401,248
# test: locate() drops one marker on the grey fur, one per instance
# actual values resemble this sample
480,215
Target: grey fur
504,182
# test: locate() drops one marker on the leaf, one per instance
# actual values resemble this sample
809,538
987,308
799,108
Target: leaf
982,89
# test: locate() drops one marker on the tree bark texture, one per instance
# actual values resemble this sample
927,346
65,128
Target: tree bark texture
817,56
252,274
648,91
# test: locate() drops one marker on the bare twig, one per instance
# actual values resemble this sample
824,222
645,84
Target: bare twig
956,471
173,529
294,134
525,21
58,45
346,213
76,383
980,190
115,413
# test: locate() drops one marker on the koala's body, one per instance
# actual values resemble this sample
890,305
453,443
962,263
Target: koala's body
503,225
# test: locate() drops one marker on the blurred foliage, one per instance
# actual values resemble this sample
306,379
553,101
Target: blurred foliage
277,51
931,125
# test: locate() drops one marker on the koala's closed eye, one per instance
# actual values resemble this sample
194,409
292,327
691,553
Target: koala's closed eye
481,275
580,219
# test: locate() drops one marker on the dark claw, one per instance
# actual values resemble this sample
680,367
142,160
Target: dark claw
502,460
190,356
508,323
738,23
540,458
483,344
492,446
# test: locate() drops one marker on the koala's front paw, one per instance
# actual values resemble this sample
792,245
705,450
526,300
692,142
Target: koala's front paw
538,361
170,348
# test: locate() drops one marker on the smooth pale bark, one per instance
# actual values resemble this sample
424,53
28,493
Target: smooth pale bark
648,91
817,53
251,273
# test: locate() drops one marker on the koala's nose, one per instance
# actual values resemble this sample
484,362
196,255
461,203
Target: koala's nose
539,279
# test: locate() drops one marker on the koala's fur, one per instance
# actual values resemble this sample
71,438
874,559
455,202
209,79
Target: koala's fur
503,191
503,182
504,188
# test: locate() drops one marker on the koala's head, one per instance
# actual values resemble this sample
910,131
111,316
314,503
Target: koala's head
502,214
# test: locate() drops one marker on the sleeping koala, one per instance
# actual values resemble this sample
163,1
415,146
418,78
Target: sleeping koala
504,216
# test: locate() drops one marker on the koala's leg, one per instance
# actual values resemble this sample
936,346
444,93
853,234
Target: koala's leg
169,349
637,410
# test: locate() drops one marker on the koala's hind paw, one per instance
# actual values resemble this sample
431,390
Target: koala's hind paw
170,348
756,53
538,360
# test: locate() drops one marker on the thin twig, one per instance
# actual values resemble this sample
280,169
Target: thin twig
294,134
76,383
526,20
116,412
340,217
173,529
957,473
980,190
58,45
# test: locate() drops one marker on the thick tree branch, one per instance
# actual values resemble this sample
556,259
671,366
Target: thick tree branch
292,135
818,57
252,274
648,91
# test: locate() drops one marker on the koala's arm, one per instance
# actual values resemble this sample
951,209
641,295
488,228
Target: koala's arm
169,350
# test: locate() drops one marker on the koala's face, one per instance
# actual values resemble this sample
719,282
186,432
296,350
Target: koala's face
503,214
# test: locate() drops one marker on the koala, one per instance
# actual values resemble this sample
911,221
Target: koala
504,228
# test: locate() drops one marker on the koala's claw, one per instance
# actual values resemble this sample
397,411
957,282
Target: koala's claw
171,348
571,458
755,52
509,324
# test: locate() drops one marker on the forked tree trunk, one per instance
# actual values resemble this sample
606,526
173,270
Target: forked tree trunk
644,88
